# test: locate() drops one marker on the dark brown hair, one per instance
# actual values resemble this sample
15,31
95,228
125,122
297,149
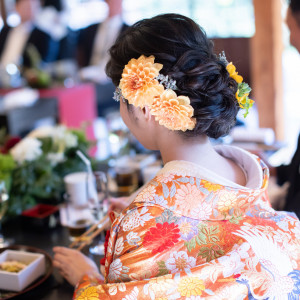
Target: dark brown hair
295,8
187,56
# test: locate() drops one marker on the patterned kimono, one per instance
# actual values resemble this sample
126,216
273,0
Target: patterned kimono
191,234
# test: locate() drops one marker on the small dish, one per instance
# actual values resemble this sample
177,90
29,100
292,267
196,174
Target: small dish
5,295
42,215
16,281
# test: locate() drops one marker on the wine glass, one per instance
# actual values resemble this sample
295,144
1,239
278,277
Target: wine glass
3,207
99,209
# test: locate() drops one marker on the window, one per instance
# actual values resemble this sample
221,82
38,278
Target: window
219,18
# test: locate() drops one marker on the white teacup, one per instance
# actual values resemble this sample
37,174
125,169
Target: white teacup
79,188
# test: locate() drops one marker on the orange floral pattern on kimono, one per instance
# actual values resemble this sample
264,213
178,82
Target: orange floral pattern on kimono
187,238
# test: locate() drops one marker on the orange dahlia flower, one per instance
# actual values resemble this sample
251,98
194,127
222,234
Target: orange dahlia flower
138,83
233,73
175,113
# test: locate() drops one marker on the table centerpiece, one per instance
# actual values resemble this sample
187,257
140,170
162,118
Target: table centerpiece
34,167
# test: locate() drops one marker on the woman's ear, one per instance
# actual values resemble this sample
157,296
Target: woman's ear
146,113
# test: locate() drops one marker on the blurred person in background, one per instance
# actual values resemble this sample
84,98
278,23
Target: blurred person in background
93,45
291,173
53,19
14,41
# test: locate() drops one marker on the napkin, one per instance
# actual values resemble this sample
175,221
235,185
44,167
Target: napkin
20,98
257,135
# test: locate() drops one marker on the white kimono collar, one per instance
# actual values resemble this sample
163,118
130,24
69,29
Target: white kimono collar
247,161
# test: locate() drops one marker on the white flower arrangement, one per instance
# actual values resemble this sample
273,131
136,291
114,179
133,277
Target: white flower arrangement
36,165
28,149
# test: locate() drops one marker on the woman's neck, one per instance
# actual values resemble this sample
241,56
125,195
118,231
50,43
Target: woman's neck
200,151
190,149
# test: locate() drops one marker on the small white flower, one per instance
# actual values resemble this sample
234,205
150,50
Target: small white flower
119,246
56,158
27,149
63,138
232,264
132,238
41,132
115,270
71,140
59,132
159,200
60,135
201,212
113,288
179,261
133,295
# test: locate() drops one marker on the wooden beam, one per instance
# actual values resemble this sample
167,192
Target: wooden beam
266,65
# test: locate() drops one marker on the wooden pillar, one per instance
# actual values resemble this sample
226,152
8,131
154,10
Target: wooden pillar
266,65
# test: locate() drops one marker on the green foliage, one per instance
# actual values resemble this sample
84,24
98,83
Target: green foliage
211,252
7,165
167,216
162,269
244,88
40,180
208,240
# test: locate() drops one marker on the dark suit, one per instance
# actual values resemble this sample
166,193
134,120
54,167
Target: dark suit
291,173
68,45
104,91
86,43
46,46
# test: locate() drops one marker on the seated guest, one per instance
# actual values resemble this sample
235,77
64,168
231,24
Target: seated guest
291,173
93,45
203,228
14,41
95,40
53,19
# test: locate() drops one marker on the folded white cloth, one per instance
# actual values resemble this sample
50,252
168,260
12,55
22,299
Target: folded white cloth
20,98
257,135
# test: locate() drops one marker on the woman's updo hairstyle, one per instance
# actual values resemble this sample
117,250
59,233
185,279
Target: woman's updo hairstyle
187,56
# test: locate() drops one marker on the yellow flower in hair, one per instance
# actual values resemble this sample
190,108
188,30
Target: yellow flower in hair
138,83
233,73
241,100
243,89
172,111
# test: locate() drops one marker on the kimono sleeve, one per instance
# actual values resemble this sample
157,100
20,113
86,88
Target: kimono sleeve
128,254
132,270
204,282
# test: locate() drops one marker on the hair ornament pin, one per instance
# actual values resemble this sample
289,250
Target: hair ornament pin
142,85
167,82
243,88
118,95
223,58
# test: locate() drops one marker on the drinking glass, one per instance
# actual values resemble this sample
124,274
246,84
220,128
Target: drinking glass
76,221
123,181
99,209
3,208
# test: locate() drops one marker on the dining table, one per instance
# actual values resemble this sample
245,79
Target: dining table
22,232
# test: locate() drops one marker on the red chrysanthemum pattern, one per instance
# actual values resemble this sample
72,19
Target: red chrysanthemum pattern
161,237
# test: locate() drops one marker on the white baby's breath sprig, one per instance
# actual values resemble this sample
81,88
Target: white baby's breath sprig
167,82
118,95
223,58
